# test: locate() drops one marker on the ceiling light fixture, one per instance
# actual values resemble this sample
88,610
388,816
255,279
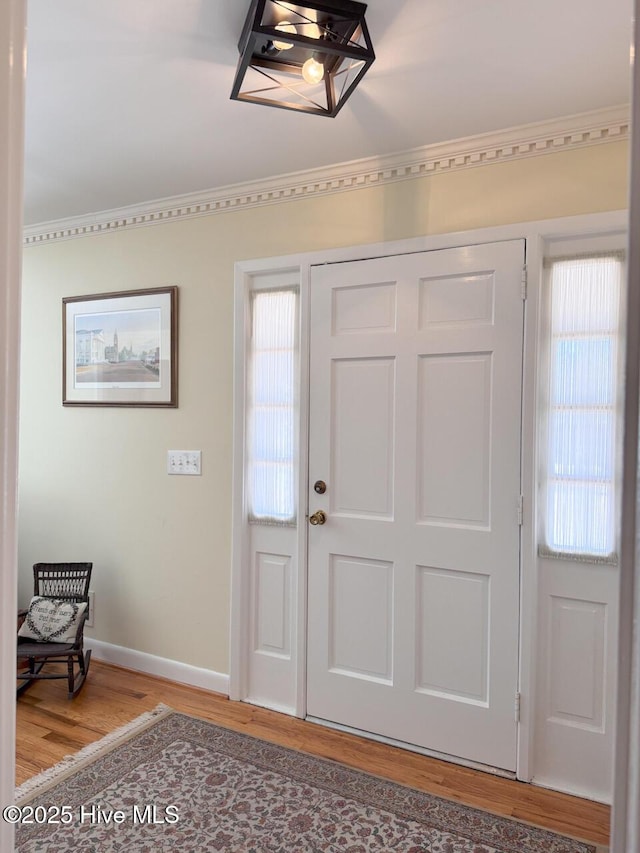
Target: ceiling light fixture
326,53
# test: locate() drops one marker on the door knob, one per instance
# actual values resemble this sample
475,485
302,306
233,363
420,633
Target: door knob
318,517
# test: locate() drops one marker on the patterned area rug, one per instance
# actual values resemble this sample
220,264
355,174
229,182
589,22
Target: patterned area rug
173,783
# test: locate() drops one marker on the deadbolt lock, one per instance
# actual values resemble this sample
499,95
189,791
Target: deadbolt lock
320,487
318,517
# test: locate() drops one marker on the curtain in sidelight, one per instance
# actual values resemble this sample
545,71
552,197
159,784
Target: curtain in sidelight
580,509
271,408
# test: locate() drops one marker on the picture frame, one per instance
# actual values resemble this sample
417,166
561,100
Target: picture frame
121,348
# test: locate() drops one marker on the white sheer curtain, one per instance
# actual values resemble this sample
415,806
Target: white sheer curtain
271,406
580,516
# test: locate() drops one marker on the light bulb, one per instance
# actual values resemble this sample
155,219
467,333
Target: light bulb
313,71
284,27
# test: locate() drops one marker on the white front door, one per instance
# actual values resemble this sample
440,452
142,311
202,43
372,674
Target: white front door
415,422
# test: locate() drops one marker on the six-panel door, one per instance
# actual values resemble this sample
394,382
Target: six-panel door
415,413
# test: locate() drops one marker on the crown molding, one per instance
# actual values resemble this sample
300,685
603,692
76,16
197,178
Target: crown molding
531,140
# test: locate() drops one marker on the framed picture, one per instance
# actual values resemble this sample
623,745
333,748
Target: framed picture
121,349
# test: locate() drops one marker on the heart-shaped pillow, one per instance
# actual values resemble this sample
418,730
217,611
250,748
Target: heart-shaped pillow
52,620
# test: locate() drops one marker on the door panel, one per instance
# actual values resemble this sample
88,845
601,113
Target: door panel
454,488
361,639
362,471
453,611
416,364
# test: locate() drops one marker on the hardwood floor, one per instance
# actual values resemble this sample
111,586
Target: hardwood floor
50,726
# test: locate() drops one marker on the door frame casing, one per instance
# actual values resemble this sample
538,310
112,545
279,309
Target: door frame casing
12,83
247,274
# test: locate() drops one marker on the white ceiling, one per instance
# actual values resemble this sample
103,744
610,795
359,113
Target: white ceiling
128,100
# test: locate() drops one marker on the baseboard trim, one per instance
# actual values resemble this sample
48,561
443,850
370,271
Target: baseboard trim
270,706
573,790
173,670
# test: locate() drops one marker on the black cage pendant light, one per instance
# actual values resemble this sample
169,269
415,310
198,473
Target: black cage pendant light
305,56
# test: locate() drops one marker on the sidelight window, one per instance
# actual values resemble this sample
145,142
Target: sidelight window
271,407
583,411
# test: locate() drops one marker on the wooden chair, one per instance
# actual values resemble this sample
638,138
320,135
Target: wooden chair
55,583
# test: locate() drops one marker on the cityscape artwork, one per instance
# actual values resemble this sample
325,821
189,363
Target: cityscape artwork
121,349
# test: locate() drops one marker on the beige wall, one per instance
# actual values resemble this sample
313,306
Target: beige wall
93,482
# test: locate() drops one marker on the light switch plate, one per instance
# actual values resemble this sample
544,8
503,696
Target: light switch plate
184,462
